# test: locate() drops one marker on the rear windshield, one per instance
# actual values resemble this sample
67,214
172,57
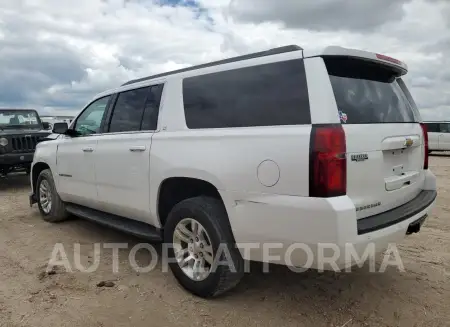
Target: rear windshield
369,93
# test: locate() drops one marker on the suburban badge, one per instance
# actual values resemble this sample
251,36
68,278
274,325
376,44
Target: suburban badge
368,206
359,157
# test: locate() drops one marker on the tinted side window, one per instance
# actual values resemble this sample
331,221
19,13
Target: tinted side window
433,127
150,120
265,95
128,111
445,128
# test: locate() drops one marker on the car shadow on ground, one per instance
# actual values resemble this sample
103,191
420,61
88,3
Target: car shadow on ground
14,181
310,290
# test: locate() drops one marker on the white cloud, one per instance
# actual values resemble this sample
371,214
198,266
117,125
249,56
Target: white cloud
321,14
56,54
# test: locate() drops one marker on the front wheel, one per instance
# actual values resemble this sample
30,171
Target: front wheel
50,205
205,260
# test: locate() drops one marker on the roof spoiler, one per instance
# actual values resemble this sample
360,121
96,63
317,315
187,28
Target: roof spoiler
396,64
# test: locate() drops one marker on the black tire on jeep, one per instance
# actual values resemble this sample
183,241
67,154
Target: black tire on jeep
210,215
50,205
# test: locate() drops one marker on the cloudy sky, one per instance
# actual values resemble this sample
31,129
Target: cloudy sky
56,54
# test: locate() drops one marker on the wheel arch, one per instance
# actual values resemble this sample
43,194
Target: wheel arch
38,167
177,188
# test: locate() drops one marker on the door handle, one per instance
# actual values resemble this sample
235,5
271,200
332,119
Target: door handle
89,149
137,148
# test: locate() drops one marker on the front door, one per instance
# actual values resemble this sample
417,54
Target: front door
75,161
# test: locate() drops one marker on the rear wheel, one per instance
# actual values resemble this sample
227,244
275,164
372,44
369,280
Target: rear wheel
50,205
207,262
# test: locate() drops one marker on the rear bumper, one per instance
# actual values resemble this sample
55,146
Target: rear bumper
396,215
302,231
16,158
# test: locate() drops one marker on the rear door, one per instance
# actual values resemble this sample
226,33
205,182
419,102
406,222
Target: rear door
385,153
122,158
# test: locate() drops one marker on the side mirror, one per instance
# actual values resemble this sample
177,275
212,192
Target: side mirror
60,128
46,125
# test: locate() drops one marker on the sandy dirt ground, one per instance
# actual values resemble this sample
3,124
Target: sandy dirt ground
31,297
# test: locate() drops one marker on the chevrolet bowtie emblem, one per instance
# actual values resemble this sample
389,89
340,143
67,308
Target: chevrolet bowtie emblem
408,142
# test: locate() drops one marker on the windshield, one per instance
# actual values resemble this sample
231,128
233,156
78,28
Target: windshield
19,119
368,93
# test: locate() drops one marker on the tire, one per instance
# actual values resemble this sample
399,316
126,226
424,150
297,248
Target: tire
212,216
57,212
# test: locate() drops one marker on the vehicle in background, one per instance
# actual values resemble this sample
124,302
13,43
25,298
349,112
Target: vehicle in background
51,120
279,147
20,131
438,135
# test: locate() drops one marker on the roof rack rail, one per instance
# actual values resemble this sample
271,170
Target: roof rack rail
287,48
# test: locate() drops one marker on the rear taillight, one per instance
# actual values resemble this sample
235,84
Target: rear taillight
328,163
425,141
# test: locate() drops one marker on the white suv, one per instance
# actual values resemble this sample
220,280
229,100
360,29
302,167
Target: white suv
438,136
284,146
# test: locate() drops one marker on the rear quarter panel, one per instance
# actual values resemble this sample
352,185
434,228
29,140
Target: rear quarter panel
245,161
